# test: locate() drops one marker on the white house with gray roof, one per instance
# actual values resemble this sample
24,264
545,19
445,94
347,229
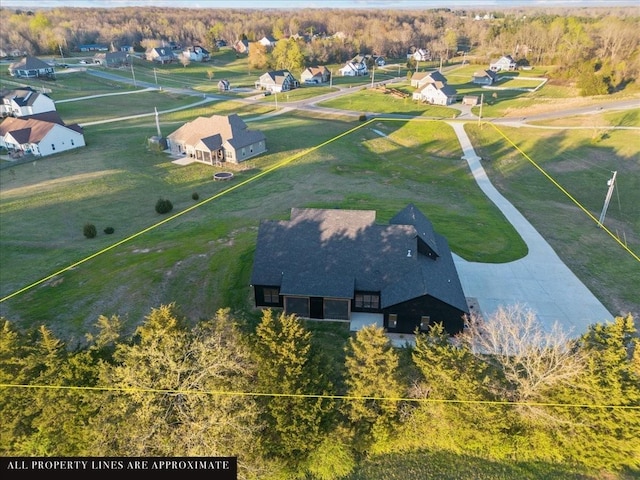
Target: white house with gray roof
22,102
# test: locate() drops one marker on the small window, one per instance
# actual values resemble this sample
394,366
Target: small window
393,320
424,322
271,295
72,142
53,147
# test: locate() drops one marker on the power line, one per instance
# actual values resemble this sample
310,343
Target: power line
234,393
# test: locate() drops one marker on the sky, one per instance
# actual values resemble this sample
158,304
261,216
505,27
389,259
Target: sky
296,4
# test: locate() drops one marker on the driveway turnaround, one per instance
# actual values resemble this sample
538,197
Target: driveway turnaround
539,282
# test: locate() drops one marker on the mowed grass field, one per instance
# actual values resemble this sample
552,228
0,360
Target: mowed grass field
200,255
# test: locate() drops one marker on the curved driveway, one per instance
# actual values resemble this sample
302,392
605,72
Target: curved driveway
540,281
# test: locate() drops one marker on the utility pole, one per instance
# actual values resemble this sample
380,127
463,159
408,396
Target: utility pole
133,74
373,74
480,115
611,184
155,75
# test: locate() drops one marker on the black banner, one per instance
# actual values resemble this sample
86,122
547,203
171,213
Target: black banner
215,468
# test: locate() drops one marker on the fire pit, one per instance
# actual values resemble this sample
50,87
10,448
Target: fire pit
223,176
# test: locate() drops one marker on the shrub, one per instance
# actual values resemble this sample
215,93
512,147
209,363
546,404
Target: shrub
195,195
163,205
109,230
89,230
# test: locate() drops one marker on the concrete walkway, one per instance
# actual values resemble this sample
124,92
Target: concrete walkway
540,281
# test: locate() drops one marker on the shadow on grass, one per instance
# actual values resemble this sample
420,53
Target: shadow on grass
451,466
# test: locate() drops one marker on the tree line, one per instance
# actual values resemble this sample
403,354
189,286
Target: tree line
272,395
594,43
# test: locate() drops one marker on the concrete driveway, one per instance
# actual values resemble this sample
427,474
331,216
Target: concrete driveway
540,281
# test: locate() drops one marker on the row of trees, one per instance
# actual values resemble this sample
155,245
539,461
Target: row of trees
505,389
598,38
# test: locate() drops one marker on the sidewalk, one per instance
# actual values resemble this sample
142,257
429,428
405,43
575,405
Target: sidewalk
540,281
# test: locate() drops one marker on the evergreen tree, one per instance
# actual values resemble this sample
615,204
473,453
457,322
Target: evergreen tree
372,371
287,364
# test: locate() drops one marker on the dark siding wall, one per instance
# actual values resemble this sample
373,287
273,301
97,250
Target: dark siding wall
410,313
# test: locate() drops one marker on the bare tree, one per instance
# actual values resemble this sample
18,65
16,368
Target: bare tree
530,358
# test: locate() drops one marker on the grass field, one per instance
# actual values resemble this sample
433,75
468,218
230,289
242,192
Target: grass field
200,255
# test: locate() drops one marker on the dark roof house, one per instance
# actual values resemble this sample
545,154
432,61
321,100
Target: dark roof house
331,263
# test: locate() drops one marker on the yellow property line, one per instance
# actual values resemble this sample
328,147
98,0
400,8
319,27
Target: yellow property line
634,255
317,396
172,217
275,167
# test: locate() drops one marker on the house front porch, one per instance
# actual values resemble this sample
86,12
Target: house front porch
362,319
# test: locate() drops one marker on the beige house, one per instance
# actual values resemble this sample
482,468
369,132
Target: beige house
420,79
217,139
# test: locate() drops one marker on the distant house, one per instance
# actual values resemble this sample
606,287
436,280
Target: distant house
436,94
93,47
160,55
268,41
356,67
315,75
419,54
112,59
277,81
31,67
379,61
337,264
217,139
484,77
504,63
39,135
420,79
224,85
196,54
23,102
241,46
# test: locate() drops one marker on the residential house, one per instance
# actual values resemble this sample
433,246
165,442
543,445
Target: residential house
23,102
319,74
31,67
160,55
356,67
379,60
224,85
112,59
39,135
332,264
419,54
241,46
436,93
277,81
217,139
268,42
484,77
504,63
196,54
420,79
93,47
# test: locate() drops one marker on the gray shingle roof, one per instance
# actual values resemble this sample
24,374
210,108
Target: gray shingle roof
332,253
